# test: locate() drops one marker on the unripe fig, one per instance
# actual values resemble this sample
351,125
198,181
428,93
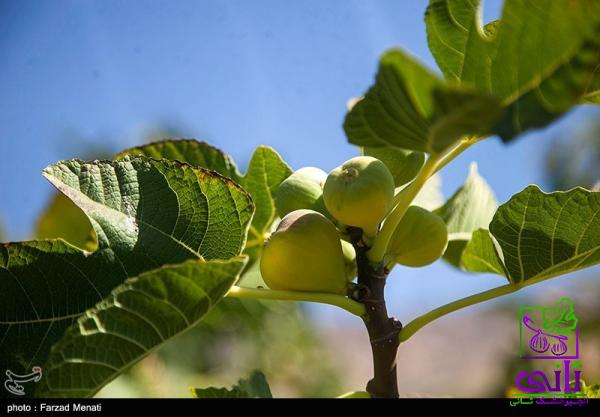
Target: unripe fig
301,190
359,193
349,260
420,238
304,254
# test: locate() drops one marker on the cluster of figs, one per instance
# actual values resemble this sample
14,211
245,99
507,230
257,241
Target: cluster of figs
309,250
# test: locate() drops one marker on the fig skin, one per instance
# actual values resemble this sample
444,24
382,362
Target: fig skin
349,260
304,254
359,193
420,238
301,190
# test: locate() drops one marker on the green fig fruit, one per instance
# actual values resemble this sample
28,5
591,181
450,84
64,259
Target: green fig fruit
359,193
304,254
301,190
420,238
349,260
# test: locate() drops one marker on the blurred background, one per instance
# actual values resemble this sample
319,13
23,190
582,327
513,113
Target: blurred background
90,78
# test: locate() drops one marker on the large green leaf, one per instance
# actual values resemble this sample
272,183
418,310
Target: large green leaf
62,218
146,213
552,97
135,203
135,318
536,236
539,59
461,47
470,208
196,153
265,172
411,108
255,386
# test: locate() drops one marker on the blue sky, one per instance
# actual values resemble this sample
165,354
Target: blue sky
235,73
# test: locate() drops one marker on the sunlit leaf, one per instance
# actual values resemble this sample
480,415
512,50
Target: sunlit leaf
265,172
481,254
146,214
62,218
539,236
196,153
470,208
461,47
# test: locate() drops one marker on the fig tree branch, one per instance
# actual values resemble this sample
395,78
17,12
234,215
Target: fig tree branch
383,330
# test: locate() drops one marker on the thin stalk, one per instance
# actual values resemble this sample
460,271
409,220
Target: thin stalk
454,152
405,197
418,323
254,243
345,303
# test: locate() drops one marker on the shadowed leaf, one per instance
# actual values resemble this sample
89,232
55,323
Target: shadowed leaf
134,319
410,108
255,386
540,59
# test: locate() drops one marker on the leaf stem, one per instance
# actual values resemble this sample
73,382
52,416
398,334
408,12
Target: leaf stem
252,230
402,200
454,152
415,325
254,243
345,303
